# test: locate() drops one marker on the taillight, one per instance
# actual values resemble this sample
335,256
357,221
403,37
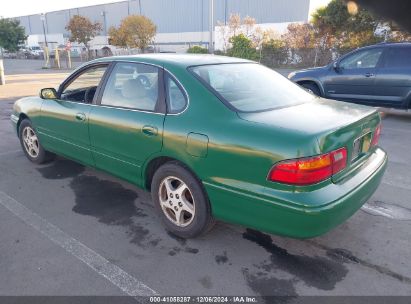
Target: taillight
309,170
376,136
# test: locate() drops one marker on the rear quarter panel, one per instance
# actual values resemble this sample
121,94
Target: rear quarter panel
240,153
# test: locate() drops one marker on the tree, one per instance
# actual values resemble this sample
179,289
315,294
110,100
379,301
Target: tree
299,36
135,31
234,24
196,49
242,47
11,34
345,26
248,24
82,30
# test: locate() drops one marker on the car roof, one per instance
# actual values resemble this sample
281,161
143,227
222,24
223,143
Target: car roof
180,60
388,44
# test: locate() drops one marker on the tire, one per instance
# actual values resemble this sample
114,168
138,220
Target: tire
312,88
191,203
30,143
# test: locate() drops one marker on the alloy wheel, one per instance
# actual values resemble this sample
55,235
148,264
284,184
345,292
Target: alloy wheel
31,142
176,201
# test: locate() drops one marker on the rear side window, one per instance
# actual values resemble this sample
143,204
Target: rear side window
132,85
398,57
176,98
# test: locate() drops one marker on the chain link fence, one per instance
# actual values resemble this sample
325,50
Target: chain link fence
299,58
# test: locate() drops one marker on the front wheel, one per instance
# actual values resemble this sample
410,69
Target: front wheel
180,201
312,88
31,144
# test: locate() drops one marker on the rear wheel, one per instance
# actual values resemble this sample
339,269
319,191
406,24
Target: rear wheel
31,144
180,201
312,88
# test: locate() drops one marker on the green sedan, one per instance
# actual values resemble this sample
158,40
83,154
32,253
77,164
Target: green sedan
212,138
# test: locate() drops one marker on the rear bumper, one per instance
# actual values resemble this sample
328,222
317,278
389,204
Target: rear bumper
300,215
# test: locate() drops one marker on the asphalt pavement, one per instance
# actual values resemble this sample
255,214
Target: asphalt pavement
71,230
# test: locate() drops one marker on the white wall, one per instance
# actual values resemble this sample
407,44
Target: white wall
278,28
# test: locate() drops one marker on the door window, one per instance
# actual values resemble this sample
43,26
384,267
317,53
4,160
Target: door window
132,85
399,57
362,59
83,87
176,99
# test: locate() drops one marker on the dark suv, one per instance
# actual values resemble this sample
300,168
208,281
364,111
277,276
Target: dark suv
377,75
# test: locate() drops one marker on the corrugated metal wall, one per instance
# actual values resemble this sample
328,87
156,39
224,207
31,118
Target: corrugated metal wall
173,16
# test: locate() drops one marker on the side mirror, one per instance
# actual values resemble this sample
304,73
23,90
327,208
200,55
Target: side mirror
48,93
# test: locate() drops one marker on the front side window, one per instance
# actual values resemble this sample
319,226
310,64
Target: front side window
132,85
83,88
250,87
398,57
362,59
176,98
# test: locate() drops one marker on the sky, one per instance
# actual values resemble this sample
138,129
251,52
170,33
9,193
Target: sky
17,8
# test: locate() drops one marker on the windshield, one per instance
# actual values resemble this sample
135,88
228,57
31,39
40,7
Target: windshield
250,87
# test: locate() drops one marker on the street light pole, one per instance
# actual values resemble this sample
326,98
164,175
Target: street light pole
43,19
211,25
46,48
103,13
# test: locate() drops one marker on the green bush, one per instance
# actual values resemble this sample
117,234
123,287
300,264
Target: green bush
197,50
242,48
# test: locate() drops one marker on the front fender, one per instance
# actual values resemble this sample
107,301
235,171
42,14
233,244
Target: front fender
27,107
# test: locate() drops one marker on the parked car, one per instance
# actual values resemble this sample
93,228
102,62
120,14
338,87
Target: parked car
377,75
211,137
30,52
36,51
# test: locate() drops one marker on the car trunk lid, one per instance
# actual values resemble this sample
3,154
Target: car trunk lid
334,124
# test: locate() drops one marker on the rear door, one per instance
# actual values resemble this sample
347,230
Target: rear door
126,126
354,80
393,82
64,121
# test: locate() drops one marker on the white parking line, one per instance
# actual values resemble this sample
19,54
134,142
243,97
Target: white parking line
95,261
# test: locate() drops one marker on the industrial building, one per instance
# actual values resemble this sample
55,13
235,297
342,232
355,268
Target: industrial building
180,23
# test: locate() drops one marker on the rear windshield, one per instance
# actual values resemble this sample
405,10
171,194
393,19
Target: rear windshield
250,87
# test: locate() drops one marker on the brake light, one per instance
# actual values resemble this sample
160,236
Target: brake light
309,170
376,136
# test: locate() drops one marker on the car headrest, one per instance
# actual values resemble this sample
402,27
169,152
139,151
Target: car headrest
133,88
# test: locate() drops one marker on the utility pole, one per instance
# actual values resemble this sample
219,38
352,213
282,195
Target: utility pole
211,25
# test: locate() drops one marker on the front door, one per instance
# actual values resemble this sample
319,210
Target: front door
127,127
63,126
354,79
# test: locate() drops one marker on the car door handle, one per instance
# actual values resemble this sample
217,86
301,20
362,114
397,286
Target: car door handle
81,116
369,75
149,130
